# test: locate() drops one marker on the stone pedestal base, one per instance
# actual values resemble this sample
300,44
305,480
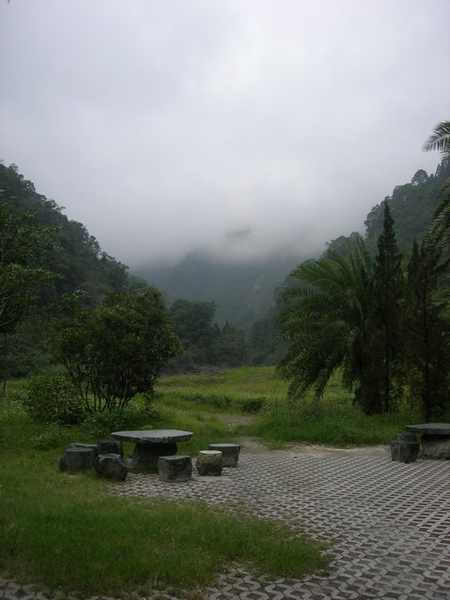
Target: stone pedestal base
145,456
435,446
209,462
230,453
175,468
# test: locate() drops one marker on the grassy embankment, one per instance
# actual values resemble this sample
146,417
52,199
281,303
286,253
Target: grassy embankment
67,531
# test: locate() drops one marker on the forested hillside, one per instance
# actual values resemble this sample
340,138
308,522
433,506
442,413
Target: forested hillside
75,255
236,303
242,292
412,207
65,259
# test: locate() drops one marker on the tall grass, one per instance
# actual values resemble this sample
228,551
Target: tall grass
66,531
334,420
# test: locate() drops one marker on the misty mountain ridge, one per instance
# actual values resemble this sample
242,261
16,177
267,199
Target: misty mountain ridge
242,291
245,291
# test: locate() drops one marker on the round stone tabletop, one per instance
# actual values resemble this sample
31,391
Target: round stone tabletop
153,436
430,428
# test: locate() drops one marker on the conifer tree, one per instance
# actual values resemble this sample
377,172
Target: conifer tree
388,292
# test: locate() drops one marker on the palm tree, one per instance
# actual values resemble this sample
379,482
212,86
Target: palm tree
324,320
439,231
439,139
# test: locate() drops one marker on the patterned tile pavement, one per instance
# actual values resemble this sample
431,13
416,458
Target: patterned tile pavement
388,522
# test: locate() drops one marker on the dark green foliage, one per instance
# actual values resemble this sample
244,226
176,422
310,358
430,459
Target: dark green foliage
203,341
43,255
230,347
380,391
325,320
24,247
193,323
427,331
73,254
118,350
412,206
386,330
53,400
263,348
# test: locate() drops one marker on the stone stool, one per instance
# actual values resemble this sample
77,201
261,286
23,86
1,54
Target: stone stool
77,458
405,447
209,462
230,453
175,468
111,466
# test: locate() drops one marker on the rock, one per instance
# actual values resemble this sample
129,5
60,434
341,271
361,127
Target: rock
230,453
405,448
209,462
175,468
77,458
91,447
111,466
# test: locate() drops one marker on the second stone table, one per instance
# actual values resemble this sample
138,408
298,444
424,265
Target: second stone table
150,444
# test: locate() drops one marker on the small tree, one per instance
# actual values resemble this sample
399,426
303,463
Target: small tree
117,351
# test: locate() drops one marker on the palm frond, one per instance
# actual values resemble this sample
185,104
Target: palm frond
439,139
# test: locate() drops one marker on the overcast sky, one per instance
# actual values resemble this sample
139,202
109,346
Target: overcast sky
237,127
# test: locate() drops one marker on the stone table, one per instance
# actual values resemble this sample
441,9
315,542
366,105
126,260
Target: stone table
434,439
151,444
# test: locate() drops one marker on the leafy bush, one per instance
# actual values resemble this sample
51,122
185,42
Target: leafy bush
101,424
53,399
48,439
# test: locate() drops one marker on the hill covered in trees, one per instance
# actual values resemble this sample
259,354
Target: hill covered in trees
224,313
74,255
244,293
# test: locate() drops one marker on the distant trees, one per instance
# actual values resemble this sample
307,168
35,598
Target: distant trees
203,342
43,256
118,350
385,327
23,276
383,321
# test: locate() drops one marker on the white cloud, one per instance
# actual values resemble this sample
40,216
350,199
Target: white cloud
167,126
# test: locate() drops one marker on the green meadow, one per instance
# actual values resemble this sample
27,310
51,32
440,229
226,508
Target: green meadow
66,531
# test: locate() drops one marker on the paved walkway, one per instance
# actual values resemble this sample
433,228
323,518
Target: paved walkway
389,522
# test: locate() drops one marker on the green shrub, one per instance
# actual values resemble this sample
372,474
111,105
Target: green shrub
53,399
101,424
49,439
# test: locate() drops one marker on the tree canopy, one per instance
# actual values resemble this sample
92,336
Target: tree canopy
118,350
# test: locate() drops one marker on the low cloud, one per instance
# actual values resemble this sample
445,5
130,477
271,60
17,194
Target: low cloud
235,128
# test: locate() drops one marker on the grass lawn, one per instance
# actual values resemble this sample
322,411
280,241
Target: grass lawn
68,531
